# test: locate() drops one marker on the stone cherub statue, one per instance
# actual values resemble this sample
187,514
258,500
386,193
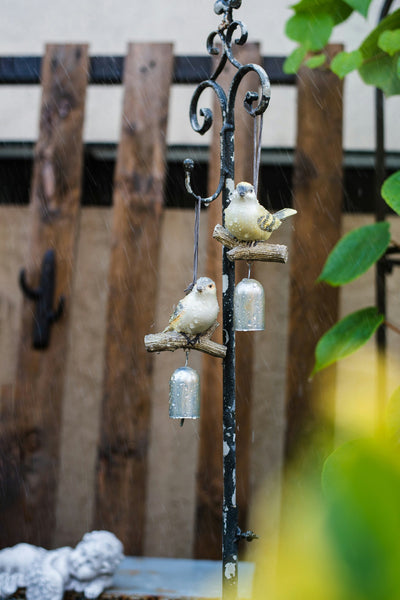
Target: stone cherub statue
46,574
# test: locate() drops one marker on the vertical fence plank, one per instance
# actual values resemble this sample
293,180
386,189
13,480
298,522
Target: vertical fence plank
137,208
318,200
208,536
11,495
33,423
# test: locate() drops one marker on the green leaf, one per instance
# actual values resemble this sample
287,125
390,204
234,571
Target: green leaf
293,61
355,253
369,47
378,68
347,336
345,62
360,6
339,10
382,72
315,61
389,41
391,191
361,485
311,30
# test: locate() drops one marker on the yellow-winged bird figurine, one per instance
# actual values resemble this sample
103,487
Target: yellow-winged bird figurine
247,220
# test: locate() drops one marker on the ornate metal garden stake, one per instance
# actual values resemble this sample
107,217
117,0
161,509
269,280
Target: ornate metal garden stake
255,103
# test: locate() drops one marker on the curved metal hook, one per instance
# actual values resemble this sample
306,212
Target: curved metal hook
31,293
215,50
251,97
45,315
226,40
240,41
188,166
207,115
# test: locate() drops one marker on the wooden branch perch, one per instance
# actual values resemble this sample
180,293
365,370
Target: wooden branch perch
239,250
172,340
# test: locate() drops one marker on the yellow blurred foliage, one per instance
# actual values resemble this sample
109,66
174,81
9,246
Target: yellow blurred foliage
340,540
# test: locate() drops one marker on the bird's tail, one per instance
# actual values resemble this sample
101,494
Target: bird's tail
285,213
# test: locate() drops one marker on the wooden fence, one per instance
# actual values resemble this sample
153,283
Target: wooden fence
32,404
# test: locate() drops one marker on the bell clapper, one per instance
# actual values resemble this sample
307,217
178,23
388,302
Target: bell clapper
186,364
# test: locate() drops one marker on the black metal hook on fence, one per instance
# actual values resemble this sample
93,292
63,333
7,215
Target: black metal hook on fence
45,316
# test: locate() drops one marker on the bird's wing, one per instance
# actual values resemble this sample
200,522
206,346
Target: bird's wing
175,316
266,220
269,222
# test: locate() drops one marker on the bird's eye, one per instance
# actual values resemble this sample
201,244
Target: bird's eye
210,285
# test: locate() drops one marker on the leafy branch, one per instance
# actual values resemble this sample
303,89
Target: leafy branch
352,256
377,61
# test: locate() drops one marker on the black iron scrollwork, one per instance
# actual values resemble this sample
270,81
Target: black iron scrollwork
255,102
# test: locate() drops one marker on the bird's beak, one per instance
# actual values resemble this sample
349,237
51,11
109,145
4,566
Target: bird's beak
241,190
199,288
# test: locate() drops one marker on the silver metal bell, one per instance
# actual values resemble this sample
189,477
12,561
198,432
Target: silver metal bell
184,394
249,306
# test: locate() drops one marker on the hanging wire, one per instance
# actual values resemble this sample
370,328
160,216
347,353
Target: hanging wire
196,245
257,135
258,126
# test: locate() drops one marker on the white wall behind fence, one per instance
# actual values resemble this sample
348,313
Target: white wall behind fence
108,25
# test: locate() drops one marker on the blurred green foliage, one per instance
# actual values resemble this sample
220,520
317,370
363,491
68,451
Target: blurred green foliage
378,57
361,484
340,534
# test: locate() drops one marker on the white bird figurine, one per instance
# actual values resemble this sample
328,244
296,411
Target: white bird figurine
196,312
247,220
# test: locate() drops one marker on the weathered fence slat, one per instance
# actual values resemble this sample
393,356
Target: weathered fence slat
137,208
34,422
209,479
318,200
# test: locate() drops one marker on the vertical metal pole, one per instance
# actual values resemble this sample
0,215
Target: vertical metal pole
229,508
230,530
380,210
380,269
380,206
